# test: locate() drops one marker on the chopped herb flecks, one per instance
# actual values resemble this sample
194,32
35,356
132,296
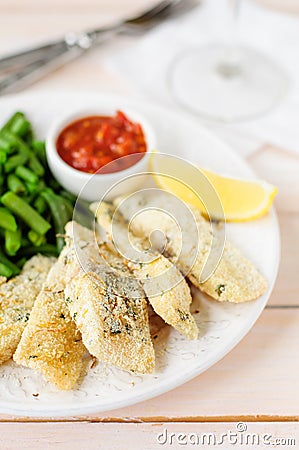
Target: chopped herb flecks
183,316
220,288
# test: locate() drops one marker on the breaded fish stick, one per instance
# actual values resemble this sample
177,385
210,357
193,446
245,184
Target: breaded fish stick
51,343
17,297
109,310
165,287
235,279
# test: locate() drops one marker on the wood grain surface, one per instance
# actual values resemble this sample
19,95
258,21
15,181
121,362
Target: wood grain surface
146,436
258,381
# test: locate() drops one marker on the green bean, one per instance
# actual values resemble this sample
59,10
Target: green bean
23,151
12,241
5,271
41,185
5,145
29,193
28,138
40,205
47,249
31,217
34,188
13,140
7,220
21,262
20,125
35,165
3,157
14,184
39,148
59,213
26,174
11,120
1,179
68,206
70,197
36,238
14,161
4,260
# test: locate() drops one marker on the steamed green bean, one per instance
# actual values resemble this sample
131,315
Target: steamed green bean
14,184
35,165
20,126
7,220
15,161
33,206
12,241
21,209
26,174
4,260
59,212
35,238
5,271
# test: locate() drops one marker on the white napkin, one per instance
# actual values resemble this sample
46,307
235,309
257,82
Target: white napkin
145,65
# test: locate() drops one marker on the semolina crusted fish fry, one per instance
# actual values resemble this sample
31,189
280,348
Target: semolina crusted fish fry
235,279
109,310
114,328
51,343
17,297
173,303
165,287
110,324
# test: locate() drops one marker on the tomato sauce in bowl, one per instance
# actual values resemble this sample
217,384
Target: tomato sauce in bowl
96,151
98,143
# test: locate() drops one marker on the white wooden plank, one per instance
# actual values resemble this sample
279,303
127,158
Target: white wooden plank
111,436
258,378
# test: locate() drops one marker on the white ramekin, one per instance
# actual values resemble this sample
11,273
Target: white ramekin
94,187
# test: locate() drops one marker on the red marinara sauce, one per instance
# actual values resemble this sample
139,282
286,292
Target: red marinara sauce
90,143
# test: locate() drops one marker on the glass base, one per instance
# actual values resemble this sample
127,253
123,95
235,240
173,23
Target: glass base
226,84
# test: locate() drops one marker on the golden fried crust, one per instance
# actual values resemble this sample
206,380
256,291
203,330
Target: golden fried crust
235,279
173,303
51,343
165,287
114,328
109,310
17,297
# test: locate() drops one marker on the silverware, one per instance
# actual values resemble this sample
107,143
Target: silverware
27,66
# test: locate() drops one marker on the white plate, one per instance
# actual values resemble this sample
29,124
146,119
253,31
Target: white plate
221,326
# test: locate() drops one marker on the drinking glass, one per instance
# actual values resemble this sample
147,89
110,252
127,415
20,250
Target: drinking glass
226,81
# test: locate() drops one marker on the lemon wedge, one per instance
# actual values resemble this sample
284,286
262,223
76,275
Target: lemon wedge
216,196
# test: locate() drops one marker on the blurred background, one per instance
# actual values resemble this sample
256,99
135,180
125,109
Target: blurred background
139,65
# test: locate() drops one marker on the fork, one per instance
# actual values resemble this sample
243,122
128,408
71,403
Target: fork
31,64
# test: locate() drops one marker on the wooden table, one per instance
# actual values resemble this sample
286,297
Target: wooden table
258,382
